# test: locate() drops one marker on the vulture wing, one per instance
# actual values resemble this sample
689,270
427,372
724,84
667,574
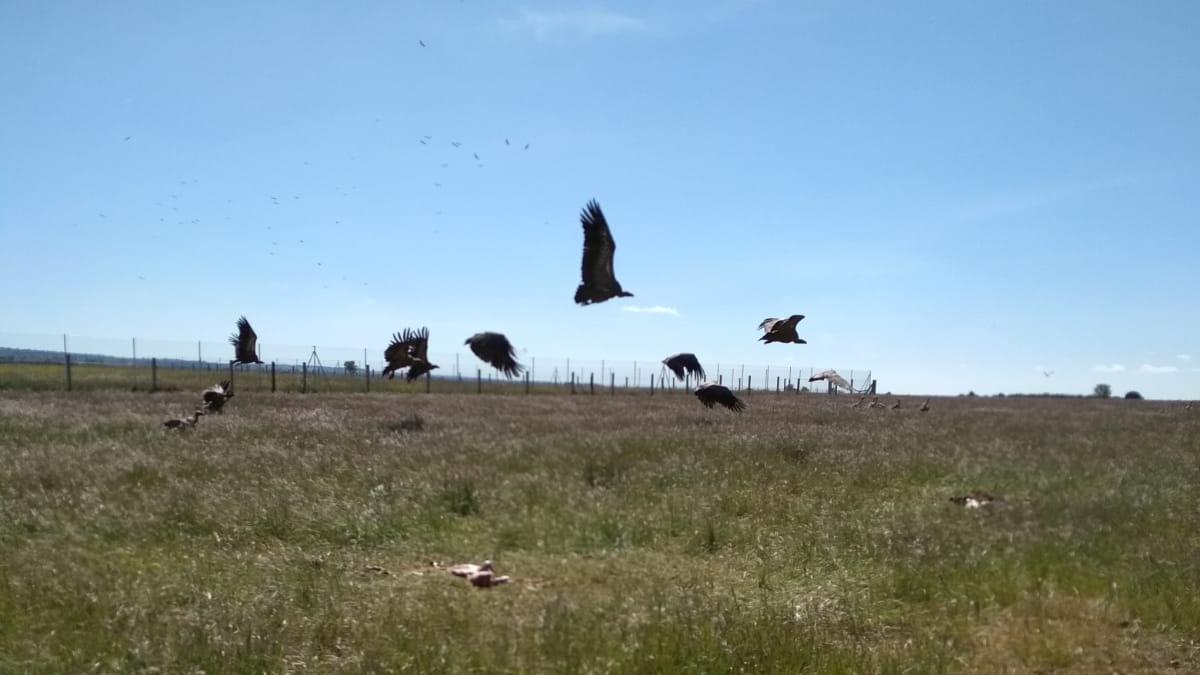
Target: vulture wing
598,251
245,342
832,376
682,364
768,325
712,394
793,320
398,353
418,341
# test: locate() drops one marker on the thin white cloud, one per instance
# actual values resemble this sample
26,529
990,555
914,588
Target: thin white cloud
1184,357
1158,370
576,23
657,309
1108,368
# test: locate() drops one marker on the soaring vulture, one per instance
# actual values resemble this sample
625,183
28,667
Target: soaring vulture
781,330
216,396
184,423
682,364
245,343
711,394
832,376
410,350
495,349
599,282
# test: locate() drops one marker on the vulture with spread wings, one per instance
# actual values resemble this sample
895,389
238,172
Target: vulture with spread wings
711,394
245,343
216,396
781,330
599,281
408,350
495,349
685,364
833,377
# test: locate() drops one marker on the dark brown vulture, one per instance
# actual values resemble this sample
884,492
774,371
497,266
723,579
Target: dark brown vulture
685,364
184,423
599,282
495,349
832,376
712,394
216,396
410,350
781,330
245,343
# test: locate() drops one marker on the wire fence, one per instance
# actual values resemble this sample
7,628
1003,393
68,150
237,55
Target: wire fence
49,362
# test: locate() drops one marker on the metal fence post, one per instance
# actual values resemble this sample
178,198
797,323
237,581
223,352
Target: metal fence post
612,383
304,378
776,384
68,369
651,384
527,383
154,374
592,383
749,383
478,381
272,377
367,378
572,382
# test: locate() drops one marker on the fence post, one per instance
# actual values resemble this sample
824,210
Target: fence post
272,377
304,378
612,384
367,377
527,383
68,369
572,382
720,378
231,373
626,382
592,384
651,384
154,374
749,383
478,381
776,384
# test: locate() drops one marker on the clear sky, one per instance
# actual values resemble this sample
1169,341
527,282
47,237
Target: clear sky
958,195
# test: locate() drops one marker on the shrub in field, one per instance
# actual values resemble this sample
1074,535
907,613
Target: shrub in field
1133,395
1102,391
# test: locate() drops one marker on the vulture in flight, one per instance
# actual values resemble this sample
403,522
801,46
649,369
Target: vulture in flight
682,364
216,396
781,330
184,423
711,394
832,376
410,350
495,349
599,282
245,343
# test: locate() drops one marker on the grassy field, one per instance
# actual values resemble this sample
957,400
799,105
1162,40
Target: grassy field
644,535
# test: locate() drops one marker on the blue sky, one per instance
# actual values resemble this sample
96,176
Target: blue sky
957,195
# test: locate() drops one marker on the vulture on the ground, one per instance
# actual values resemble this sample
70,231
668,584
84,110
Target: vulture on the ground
245,343
711,394
924,406
781,330
408,350
216,396
495,349
896,405
599,281
184,423
682,364
974,499
831,376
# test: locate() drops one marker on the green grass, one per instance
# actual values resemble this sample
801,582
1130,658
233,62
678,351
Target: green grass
644,535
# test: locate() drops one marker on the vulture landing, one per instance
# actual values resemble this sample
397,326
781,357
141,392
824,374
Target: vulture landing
497,351
781,330
685,364
711,394
599,281
831,376
410,350
216,396
245,343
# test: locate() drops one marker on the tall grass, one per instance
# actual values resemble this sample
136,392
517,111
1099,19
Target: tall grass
643,535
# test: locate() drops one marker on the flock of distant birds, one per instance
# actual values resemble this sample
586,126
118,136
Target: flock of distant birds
409,349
